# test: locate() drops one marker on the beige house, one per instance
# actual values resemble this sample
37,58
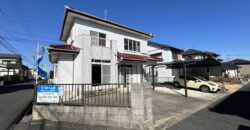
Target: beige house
236,68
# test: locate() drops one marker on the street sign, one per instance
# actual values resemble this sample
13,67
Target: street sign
48,93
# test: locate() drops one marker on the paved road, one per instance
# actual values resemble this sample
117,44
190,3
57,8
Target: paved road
229,113
14,99
170,106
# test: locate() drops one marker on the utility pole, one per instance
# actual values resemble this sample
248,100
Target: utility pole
37,51
228,57
34,60
185,79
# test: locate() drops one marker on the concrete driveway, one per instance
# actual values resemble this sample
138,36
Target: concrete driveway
170,106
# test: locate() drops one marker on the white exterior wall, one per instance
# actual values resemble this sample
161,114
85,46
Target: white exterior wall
80,34
83,28
231,73
164,74
64,70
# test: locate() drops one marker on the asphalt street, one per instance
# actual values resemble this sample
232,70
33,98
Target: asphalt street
14,99
229,113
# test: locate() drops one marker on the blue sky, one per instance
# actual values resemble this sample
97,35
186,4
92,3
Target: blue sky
221,26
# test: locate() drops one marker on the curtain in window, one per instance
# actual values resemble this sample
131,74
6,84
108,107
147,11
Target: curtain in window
105,73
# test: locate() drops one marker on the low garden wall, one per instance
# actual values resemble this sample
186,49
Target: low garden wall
138,116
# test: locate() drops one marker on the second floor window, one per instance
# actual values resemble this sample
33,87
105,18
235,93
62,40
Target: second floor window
159,55
5,62
132,45
97,38
174,55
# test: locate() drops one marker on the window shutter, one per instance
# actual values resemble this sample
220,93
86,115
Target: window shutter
94,38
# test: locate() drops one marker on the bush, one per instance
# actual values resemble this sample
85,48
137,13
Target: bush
235,82
223,79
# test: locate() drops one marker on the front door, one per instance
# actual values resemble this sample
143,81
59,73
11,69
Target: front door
96,74
129,75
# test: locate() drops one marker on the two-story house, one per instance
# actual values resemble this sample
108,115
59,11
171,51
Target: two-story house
168,54
10,64
98,51
196,54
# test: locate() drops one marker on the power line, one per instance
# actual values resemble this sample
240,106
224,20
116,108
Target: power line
27,40
26,20
13,50
25,34
18,11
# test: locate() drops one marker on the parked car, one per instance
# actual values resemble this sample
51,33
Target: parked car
197,83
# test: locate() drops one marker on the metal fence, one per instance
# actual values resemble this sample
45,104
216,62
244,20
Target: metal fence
91,94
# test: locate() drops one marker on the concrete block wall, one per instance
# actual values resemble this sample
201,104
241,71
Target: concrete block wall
138,116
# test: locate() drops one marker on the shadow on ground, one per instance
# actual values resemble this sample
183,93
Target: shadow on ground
13,88
242,127
236,104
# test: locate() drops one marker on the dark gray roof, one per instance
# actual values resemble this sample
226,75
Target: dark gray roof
190,63
228,66
240,62
193,51
164,46
231,65
11,56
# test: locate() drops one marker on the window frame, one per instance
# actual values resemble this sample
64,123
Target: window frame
175,55
132,45
97,39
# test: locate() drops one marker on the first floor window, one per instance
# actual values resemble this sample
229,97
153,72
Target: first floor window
105,73
101,73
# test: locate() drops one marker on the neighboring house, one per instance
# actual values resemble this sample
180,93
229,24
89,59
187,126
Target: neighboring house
98,51
229,70
236,68
168,54
10,64
196,54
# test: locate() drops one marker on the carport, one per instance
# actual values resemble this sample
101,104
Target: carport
205,64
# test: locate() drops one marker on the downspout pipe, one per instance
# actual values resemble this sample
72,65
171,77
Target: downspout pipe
118,69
